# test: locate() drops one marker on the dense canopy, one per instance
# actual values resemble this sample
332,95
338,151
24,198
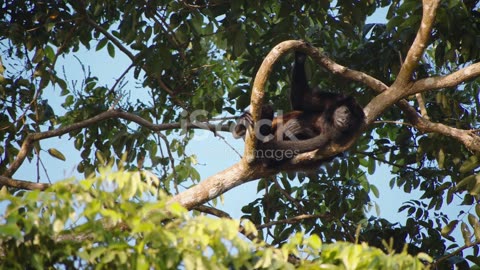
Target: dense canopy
184,66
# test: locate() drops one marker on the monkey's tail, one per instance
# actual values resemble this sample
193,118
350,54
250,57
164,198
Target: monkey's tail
299,146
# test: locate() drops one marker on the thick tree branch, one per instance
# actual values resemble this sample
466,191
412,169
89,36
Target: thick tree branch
450,80
469,138
213,186
419,44
402,85
22,184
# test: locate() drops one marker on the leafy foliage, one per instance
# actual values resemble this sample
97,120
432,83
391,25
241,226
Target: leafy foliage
111,221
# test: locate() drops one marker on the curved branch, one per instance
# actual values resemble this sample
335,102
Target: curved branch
258,92
246,171
469,138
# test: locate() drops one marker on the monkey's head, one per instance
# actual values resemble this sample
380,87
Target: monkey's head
300,57
342,118
349,117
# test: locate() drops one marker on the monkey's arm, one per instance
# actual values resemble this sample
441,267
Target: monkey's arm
299,86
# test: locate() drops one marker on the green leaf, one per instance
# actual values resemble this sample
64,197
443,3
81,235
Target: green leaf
476,231
466,233
315,242
475,260
111,50
10,230
375,191
371,166
466,182
471,163
239,45
447,230
56,154
49,53
101,44
472,220
441,158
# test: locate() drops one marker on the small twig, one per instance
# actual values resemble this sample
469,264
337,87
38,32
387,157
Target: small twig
292,220
171,37
110,37
119,79
132,57
227,143
172,161
393,122
421,105
212,211
45,171
290,198
373,155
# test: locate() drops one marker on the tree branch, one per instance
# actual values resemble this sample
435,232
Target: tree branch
292,220
33,137
457,251
22,184
246,170
419,44
450,80
212,211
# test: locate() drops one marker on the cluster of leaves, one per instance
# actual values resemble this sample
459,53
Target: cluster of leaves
112,222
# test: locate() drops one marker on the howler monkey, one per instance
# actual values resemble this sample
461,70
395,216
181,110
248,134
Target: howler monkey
318,118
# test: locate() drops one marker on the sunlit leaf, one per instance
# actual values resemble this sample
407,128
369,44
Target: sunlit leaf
56,154
448,229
